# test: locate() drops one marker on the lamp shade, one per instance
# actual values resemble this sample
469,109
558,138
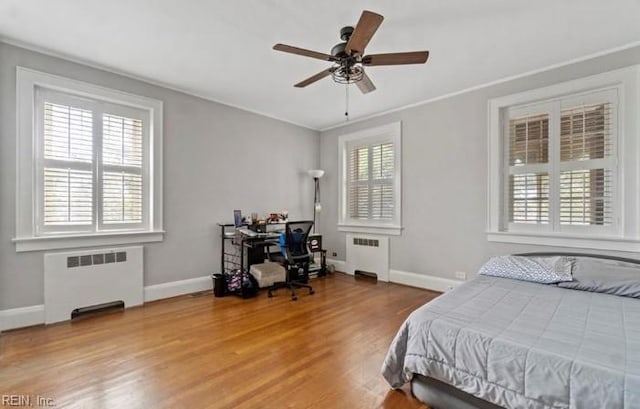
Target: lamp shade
316,173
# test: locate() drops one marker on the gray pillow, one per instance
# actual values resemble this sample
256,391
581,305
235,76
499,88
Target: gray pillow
545,270
605,276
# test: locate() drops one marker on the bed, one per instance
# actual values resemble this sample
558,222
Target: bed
496,342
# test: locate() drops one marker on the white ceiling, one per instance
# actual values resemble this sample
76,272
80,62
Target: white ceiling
221,50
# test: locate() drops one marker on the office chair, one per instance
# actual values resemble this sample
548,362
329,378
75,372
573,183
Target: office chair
297,258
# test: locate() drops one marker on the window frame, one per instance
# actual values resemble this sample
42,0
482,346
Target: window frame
389,133
627,237
30,84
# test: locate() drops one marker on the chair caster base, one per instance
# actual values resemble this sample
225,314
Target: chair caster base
311,292
294,298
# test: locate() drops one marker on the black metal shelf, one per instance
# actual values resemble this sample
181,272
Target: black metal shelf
230,255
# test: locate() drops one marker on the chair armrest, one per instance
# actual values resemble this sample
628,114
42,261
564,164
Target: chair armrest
301,257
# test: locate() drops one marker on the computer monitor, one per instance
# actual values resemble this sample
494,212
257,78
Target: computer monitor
237,218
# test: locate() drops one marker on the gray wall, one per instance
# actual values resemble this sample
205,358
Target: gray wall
216,159
444,165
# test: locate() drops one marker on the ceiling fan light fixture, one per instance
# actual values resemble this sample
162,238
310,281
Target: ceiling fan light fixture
347,73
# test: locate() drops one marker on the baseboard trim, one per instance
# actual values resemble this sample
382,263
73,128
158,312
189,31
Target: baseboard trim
339,265
34,315
21,317
175,288
428,282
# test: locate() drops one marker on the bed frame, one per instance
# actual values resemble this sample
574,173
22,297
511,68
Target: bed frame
440,395
601,256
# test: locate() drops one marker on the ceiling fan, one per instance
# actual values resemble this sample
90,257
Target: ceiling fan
349,58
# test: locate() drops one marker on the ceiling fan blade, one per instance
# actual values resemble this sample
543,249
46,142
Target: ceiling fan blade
415,57
314,78
365,29
365,84
304,52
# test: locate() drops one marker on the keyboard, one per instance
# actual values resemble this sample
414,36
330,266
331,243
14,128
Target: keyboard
247,232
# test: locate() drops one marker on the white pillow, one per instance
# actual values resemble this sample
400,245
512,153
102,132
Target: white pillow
545,270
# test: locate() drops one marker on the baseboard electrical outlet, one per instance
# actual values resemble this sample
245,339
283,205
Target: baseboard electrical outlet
461,275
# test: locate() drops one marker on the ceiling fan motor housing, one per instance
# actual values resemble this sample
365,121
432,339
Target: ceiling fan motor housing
338,50
345,33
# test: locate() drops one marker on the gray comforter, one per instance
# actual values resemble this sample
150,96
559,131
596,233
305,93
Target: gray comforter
524,345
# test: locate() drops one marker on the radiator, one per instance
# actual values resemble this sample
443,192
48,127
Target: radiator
82,279
369,253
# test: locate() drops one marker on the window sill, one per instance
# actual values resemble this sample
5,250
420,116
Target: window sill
384,229
564,240
24,244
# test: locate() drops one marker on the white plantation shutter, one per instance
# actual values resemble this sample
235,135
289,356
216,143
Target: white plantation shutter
528,169
68,197
121,141
92,171
562,177
67,166
370,184
68,133
359,182
122,196
529,193
382,172
587,164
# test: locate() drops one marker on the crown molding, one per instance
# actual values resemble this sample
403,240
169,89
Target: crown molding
486,85
112,70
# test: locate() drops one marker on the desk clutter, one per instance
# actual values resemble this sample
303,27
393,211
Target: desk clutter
258,223
267,256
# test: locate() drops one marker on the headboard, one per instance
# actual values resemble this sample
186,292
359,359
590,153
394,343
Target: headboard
558,253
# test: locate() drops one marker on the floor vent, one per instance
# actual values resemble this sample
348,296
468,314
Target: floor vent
365,274
95,309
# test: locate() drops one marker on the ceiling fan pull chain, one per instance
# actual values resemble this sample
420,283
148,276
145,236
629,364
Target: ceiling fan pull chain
346,110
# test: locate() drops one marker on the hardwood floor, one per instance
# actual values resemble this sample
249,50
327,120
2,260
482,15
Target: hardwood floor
322,351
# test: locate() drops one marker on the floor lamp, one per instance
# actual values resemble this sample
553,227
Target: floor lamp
316,174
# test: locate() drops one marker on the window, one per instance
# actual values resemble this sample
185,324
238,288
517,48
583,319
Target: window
91,175
86,156
556,165
370,172
580,146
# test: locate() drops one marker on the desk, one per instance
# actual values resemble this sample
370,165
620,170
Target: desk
239,251
257,248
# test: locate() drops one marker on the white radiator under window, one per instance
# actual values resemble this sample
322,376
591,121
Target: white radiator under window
368,253
91,277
